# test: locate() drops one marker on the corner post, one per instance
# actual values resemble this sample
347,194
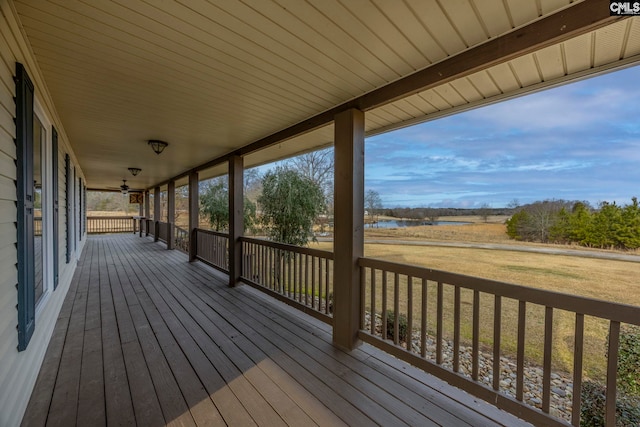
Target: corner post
236,217
194,213
348,241
171,213
156,213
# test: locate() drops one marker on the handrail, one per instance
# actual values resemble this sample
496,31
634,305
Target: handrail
110,224
211,232
588,306
286,247
391,291
181,239
163,231
212,248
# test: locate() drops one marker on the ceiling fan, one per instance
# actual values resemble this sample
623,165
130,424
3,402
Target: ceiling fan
125,189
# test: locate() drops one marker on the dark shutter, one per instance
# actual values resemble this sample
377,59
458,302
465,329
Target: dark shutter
79,209
56,205
75,201
67,203
24,192
84,213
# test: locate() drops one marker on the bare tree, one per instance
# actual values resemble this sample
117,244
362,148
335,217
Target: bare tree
372,204
484,212
317,166
431,215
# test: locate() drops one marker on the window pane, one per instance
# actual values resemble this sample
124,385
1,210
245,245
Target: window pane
38,138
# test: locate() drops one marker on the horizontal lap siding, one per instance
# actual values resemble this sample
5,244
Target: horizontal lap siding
19,370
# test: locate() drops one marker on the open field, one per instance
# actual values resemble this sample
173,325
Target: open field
616,281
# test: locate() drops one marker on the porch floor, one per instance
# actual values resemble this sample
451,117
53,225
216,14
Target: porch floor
146,338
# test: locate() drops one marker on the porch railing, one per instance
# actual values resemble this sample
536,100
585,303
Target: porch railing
302,277
110,224
414,313
181,239
37,226
149,228
163,231
212,248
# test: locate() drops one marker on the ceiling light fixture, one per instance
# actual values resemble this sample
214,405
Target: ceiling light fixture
124,188
135,171
157,145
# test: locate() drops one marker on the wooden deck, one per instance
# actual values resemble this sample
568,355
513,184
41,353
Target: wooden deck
146,338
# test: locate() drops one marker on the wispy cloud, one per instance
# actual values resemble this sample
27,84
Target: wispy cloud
578,141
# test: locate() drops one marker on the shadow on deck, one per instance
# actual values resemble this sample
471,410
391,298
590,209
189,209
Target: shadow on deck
146,338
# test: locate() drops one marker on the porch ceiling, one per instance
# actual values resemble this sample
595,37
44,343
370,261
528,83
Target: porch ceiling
212,77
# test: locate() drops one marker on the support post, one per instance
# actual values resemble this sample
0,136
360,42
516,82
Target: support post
236,217
194,214
171,213
147,213
140,216
348,242
156,213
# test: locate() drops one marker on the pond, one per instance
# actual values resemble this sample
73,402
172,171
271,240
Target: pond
398,223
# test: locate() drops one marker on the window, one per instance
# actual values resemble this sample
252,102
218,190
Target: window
43,212
68,185
35,183
25,206
39,207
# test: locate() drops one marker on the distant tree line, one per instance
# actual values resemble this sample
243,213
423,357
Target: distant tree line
429,213
561,221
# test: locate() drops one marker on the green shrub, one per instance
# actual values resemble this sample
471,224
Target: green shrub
592,408
402,326
629,360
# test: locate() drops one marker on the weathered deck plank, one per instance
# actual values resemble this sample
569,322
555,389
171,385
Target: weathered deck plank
147,338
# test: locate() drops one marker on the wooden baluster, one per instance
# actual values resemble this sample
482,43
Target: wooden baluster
612,373
439,324
456,329
548,349
313,282
306,280
372,309
363,296
476,336
409,312
578,349
396,309
327,273
522,318
384,305
497,333
423,320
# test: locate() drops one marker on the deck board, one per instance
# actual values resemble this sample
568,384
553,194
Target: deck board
147,338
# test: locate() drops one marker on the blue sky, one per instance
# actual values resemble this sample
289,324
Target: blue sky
580,141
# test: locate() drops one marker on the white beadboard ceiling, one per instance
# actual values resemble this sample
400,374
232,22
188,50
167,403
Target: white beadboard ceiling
212,76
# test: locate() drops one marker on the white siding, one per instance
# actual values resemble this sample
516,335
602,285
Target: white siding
19,370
